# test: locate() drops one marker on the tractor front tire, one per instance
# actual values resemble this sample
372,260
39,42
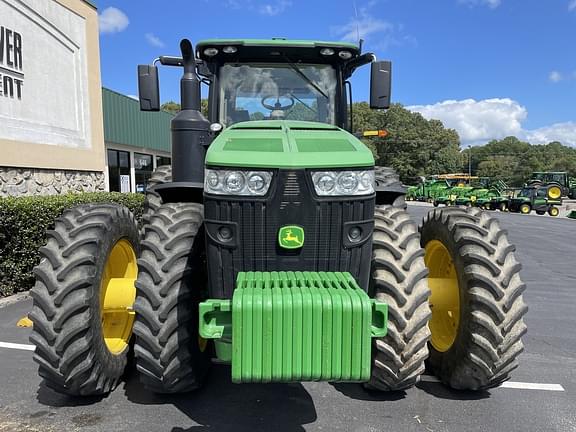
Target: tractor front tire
170,356
525,208
477,306
553,211
89,262
398,277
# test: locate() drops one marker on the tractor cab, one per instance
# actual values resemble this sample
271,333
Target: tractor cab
279,80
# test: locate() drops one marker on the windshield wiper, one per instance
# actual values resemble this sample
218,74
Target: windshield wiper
303,75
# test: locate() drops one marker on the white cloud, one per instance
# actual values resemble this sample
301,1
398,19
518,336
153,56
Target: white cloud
478,122
363,27
276,8
154,40
492,4
572,5
112,20
562,132
555,76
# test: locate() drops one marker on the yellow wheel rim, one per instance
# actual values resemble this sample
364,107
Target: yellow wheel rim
117,295
525,208
445,296
554,192
554,211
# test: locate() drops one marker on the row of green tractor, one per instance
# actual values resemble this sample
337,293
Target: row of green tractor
539,195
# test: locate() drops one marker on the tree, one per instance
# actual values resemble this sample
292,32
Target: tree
414,146
174,108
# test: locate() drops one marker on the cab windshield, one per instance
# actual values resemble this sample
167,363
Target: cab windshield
277,92
526,193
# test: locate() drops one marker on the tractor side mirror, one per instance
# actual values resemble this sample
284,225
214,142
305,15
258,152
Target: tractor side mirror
148,88
380,84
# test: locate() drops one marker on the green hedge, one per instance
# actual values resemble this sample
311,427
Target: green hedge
23,224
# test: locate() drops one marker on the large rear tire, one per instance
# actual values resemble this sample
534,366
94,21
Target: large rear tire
477,306
161,175
83,297
170,356
399,279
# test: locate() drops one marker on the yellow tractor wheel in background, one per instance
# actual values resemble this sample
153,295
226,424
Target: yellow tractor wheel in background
553,211
83,299
554,192
476,298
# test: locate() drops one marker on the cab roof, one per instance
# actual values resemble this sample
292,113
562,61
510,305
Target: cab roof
260,49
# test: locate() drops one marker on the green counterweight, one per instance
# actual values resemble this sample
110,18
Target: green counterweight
296,326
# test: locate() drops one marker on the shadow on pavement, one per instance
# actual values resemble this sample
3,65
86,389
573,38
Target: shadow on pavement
46,396
358,392
221,405
441,391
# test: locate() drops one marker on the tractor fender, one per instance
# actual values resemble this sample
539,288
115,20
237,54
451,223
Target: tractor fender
192,192
392,194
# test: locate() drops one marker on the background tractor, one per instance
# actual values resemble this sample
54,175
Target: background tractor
274,244
565,184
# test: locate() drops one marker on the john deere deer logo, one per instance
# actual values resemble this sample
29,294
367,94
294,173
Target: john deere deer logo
291,237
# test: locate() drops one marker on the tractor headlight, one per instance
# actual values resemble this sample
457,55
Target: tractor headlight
334,183
231,182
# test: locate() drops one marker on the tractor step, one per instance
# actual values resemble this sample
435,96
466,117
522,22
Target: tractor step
295,326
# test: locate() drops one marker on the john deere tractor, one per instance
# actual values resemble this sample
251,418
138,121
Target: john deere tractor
562,180
272,243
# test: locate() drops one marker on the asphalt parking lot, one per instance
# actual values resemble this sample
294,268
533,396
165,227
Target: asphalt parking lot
541,397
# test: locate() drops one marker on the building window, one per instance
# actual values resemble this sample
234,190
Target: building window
143,170
163,160
119,170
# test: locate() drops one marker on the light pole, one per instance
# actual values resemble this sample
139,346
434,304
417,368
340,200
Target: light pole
469,162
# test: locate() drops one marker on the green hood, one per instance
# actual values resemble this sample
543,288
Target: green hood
287,144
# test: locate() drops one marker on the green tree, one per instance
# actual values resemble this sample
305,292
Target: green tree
174,107
414,145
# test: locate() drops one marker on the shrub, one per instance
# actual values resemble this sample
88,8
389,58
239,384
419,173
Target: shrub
23,224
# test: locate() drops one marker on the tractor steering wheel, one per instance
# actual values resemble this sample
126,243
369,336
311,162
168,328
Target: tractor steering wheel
277,110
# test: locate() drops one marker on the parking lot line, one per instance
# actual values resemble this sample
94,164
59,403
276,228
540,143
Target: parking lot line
423,378
509,384
24,347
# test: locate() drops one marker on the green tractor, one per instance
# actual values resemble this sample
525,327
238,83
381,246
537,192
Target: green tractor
541,199
565,184
501,202
485,196
273,244
449,196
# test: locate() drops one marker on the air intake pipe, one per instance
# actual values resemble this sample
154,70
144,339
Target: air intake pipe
190,129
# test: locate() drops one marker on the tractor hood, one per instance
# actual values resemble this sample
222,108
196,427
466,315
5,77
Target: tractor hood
287,144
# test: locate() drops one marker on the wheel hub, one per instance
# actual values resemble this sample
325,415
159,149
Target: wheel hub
117,295
445,296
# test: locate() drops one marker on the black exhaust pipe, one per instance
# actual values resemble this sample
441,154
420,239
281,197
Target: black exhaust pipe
190,129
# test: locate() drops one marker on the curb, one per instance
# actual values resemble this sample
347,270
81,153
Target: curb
7,301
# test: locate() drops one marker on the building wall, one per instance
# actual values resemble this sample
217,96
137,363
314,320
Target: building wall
51,124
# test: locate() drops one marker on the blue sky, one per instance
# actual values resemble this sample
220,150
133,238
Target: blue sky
488,68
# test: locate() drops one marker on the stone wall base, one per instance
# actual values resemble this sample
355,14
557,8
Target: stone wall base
35,181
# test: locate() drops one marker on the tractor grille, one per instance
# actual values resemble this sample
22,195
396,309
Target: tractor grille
255,224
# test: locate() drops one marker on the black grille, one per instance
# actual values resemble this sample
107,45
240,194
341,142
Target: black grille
255,225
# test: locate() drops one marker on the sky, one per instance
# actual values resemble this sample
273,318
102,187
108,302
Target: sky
487,68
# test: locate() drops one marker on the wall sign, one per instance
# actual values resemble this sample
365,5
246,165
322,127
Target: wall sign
44,85
11,74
